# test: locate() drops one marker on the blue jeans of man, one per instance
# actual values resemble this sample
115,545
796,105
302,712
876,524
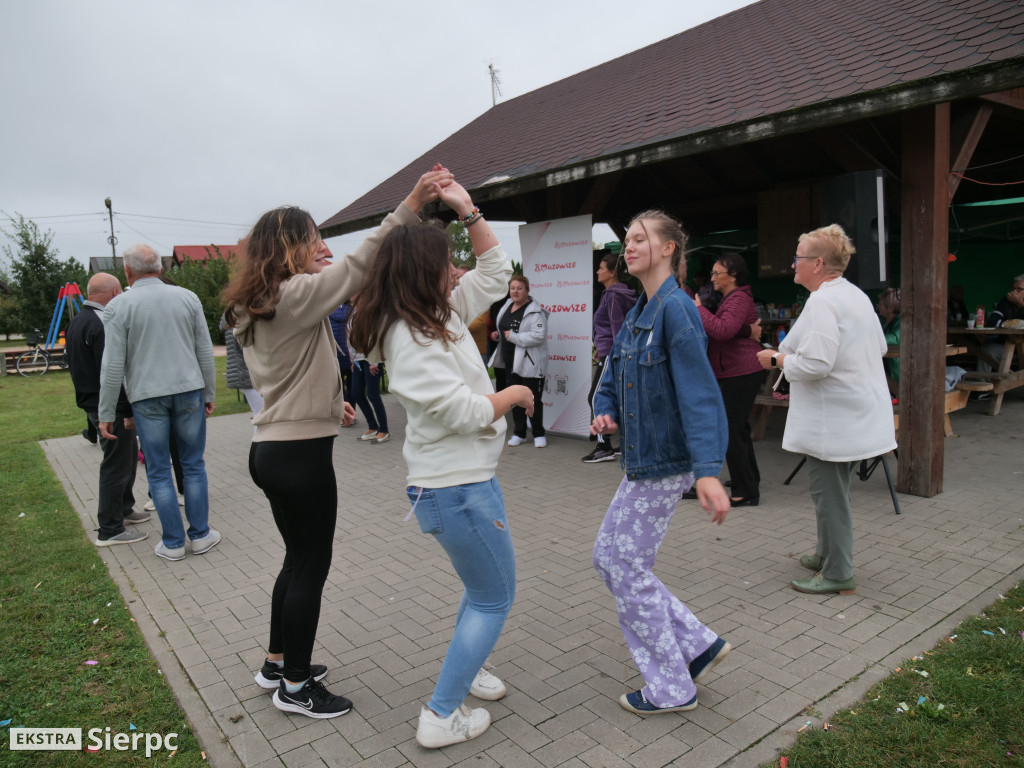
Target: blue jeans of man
469,523
156,419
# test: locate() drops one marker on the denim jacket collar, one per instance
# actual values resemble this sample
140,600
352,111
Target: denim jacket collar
648,309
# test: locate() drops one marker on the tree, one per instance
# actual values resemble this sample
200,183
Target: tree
460,245
37,273
9,307
207,279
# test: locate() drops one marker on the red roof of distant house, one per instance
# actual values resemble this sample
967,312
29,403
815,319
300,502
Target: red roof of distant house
184,253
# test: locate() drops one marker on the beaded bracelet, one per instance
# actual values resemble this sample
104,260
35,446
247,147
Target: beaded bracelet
473,221
465,219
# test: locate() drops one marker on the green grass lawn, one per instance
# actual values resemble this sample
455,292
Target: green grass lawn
961,704
59,608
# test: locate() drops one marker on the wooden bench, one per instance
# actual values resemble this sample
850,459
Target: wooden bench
763,405
955,401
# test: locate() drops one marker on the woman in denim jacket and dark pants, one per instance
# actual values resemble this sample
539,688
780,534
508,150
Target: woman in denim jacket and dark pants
658,388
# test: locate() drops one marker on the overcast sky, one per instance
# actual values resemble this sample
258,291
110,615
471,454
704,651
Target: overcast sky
216,111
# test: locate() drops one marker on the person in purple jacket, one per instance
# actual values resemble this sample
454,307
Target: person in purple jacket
733,355
617,299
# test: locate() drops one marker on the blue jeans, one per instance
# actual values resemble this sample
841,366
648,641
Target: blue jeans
469,523
366,394
184,416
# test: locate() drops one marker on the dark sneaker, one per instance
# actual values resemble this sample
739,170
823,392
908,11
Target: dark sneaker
124,537
601,453
636,702
708,660
312,700
136,517
271,674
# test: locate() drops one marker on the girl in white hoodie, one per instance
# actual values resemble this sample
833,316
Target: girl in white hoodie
411,313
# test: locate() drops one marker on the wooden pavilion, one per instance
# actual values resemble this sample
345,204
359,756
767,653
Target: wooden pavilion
735,124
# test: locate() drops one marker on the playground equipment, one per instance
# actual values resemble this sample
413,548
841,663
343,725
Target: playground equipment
38,359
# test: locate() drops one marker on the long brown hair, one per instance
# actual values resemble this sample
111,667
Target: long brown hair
407,281
278,247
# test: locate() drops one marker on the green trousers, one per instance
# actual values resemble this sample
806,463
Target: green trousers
830,491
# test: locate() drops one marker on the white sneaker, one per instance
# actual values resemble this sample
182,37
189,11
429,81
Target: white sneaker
169,553
151,505
516,440
206,543
540,442
487,687
461,725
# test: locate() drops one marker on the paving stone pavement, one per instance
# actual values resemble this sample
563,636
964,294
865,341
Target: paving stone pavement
390,602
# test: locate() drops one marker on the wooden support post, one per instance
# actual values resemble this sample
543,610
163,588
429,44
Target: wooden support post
925,245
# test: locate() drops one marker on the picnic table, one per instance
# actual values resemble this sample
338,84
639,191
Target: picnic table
1000,377
767,399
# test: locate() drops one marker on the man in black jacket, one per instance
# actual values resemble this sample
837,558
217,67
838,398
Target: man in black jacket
84,352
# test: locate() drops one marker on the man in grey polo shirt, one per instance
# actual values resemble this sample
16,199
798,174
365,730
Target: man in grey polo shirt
158,345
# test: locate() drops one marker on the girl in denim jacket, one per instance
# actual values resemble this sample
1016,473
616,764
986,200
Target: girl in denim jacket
659,390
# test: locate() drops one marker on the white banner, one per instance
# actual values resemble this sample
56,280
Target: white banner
558,260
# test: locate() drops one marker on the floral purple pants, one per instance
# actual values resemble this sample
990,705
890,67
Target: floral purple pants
663,635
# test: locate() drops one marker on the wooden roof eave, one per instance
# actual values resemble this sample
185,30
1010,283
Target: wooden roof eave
961,84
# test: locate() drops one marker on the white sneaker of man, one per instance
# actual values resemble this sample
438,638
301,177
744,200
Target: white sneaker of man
461,725
516,440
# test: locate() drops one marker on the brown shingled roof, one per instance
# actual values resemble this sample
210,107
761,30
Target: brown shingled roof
762,61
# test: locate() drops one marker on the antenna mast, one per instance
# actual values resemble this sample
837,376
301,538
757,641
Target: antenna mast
495,84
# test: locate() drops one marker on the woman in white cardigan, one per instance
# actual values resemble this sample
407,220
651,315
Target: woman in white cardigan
839,409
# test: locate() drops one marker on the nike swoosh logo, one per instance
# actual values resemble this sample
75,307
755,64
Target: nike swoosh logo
307,704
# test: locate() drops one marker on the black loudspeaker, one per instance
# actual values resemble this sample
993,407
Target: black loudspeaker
856,202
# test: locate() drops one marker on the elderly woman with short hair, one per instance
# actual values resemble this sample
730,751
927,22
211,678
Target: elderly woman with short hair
839,409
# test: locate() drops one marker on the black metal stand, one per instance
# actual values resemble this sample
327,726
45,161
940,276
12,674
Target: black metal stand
867,467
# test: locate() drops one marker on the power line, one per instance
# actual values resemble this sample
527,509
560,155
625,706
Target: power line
138,216
189,221
147,237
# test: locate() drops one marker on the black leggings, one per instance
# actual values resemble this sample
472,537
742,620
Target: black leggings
297,477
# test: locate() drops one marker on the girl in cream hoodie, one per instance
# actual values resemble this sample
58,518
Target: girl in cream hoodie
278,305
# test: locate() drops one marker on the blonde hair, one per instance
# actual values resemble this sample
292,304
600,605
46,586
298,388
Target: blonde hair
832,245
670,230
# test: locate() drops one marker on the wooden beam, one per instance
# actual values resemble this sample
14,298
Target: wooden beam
600,192
925,243
557,202
1013,98
845,153
971,127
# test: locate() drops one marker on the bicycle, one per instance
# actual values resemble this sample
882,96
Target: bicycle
37,360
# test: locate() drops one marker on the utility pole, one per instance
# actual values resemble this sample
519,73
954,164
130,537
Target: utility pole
495,84
112,240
